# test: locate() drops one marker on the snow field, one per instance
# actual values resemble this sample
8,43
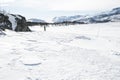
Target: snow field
81,52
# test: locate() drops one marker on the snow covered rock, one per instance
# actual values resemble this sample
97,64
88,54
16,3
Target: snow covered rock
13,22
2,33
115,11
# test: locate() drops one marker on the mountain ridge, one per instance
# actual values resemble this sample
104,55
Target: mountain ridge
108,16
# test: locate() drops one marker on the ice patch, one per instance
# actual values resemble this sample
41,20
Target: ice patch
30,60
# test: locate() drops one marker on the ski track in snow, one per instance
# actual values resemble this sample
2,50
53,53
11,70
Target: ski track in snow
62,53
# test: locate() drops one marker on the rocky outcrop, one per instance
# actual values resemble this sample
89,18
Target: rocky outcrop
13,22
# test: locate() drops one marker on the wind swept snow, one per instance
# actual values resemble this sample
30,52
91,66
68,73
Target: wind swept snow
81,52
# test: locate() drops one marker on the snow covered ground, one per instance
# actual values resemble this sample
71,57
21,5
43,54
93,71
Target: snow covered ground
80,52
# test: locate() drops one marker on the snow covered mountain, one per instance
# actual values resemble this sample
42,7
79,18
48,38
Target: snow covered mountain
36,20
109,16
69,18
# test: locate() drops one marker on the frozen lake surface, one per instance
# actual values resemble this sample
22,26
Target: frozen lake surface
79,52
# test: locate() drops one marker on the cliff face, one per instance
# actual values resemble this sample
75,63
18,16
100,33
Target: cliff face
13,22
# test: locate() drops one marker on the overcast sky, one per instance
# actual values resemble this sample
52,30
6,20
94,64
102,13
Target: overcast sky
49,8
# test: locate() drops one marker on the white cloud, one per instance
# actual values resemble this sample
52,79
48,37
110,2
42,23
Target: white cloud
51,8
6,1
84,4
69,5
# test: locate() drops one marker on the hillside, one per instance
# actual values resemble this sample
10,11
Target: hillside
109,16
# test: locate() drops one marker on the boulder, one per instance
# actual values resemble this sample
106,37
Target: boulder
13,22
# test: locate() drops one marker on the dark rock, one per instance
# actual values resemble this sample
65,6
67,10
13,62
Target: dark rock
2,33
6,23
